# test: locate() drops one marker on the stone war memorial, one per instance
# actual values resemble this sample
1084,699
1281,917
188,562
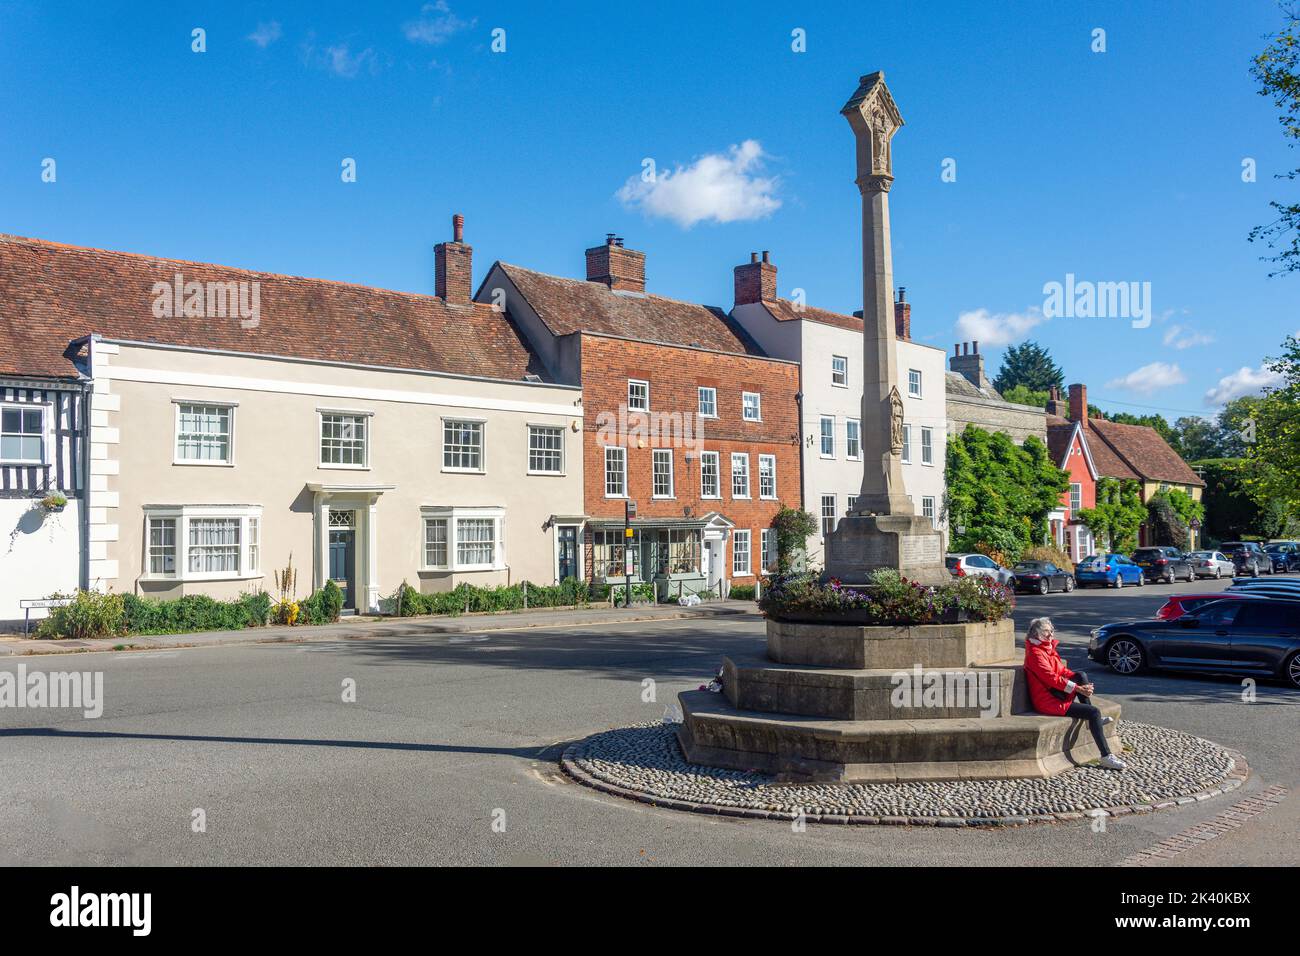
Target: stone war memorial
888,691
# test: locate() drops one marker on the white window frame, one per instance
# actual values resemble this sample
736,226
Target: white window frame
481,424
852,436
842,372
740,456
182,515
927,446
179,403
770,462
833,517
713,401
822,436
657,455
927,502
623,470
737,550
562,470
767,550
716,458
638,408
45,409
914,392
1076,498
453,516
907,444
365,417
745,406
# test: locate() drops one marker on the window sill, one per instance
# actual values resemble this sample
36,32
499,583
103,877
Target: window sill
465,471
186,463
741,498
743,574
325,466
543,474
196,578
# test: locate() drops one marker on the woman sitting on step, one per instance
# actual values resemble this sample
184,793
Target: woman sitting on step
1053,687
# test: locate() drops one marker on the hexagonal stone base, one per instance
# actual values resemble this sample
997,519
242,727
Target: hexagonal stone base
897,648
993,690
796,748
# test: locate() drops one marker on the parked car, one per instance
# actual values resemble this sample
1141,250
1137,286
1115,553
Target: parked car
1212,564
1248,558
1286,588
960,565
1164,564
1108,570
1041,576
1180,604
1254,637
1285,555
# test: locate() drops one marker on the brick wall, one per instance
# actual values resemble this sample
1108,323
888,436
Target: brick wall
675,374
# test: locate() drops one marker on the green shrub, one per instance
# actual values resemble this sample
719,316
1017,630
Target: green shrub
195,612
323,606
643,593
742,592
90,615
466,598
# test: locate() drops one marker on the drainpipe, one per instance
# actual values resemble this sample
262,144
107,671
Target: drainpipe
83,571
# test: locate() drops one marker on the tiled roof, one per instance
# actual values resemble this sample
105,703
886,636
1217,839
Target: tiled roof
783,310
958,384
52,294
1059,431
1142,449
575,305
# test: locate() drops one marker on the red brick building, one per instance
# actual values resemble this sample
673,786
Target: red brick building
683,415
1067,443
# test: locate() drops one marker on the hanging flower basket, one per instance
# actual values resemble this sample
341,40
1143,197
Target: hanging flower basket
53,504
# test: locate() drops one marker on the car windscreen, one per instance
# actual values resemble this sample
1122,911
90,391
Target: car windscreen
1029,566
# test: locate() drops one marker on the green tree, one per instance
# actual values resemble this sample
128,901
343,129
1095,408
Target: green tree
793,528
1118,515
1030,365
999,493
1274,423
1170,515
1199,438
1277,70
1023,395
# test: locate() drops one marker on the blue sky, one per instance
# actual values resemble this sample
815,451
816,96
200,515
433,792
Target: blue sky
1117,166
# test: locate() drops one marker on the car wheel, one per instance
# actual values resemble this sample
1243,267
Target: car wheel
1125,656
1119,581
1191,575
1069,585
1044,586
1169,578
1142,579
1291,669
1218,572
1254,570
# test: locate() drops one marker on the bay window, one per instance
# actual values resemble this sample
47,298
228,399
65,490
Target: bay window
463,539
203,542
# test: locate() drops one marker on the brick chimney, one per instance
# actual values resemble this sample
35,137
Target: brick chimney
967,362
755,280
1079,404
903,316
621,269
1054,404
453,265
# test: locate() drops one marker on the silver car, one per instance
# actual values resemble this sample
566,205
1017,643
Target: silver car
960,565
1211,564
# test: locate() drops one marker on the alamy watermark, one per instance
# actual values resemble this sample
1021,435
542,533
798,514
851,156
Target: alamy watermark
1083,299
942,690
53,689
208,300
638,428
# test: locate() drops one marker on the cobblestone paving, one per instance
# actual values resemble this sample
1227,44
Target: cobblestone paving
1166,768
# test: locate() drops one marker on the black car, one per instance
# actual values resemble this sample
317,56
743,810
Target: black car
1248,558
1041,576
1164,564
1258,638
1285,555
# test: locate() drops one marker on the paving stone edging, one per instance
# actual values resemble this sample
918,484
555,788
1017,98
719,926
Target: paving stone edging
1238,773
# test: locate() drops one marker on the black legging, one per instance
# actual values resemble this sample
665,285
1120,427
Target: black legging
1083,709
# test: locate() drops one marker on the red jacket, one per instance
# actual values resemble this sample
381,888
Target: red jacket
1046,672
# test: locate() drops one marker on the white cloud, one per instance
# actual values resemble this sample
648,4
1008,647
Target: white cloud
266,34
997,328
1244,381
436,25
1150,378
1180,337
717,187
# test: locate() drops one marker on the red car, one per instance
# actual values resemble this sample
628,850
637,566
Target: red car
1181,604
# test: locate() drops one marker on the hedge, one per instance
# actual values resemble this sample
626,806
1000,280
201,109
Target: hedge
741,592
467,598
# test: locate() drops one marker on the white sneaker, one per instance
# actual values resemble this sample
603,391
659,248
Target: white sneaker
1111,762
1107,720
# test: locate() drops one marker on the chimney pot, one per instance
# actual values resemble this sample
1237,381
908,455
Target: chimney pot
975,347
458,228
902,293
765,259
753,257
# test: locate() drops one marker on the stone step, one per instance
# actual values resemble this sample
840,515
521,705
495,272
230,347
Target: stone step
752,682
803,748
858,646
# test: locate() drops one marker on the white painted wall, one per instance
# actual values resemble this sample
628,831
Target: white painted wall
38,553
813,344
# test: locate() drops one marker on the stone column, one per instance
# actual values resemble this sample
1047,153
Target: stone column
884,530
